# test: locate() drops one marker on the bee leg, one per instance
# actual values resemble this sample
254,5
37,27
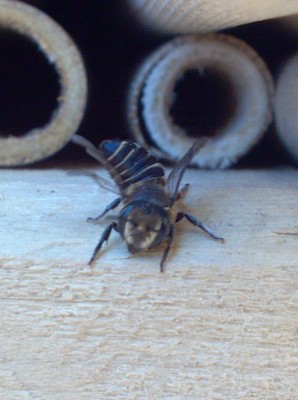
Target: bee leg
101,182
190,218
182,193
168,248
104,237
108,208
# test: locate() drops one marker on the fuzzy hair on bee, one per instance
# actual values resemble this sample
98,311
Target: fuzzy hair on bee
148,214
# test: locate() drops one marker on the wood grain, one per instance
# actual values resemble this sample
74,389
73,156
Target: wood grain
220,323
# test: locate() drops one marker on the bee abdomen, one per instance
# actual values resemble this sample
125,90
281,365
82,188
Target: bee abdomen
128,163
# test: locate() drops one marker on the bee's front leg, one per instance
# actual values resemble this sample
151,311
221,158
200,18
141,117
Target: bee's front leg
168,248
197,223
104,237
108,208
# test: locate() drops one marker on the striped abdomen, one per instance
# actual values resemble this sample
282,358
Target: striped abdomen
129,164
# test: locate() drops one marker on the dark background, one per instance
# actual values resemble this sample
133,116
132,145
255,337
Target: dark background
112,44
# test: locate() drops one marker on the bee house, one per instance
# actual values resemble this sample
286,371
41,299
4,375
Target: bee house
173,291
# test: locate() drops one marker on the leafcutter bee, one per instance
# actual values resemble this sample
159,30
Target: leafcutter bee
148,198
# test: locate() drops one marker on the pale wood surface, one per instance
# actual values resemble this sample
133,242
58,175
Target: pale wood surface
220,323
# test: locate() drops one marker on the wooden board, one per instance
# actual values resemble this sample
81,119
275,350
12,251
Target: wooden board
220,323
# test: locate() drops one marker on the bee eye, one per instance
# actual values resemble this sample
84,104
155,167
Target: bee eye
147,210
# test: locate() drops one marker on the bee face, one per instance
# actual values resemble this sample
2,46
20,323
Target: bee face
143,225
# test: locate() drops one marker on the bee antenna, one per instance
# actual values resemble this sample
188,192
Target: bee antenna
88,146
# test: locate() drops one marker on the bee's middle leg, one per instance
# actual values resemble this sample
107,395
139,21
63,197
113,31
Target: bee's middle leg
108,208
182,193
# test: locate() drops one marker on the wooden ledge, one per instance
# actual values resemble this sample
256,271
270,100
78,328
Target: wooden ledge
221,322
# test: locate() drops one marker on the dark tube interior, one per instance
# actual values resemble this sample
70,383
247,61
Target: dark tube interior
29,85
204,101
113,45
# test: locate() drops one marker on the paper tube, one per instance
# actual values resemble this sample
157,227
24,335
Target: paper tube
286,106
197,16
60,50
239,113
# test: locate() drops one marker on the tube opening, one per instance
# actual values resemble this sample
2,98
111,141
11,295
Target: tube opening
204,101
29,85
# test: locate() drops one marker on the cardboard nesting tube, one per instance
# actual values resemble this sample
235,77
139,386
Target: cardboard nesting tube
286,106
199,16
153,89
60,50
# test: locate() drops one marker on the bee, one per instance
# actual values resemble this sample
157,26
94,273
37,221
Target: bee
148,198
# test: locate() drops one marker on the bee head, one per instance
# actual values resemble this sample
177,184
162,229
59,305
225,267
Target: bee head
143,225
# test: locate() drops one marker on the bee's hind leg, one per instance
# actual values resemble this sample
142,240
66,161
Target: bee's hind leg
104,237
190,218
108,208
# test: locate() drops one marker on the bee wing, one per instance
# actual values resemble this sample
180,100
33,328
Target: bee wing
176,175
95,153
102,182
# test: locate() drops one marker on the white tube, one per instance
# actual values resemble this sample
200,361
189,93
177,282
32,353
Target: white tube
248,82
198,16
286,106
60,51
